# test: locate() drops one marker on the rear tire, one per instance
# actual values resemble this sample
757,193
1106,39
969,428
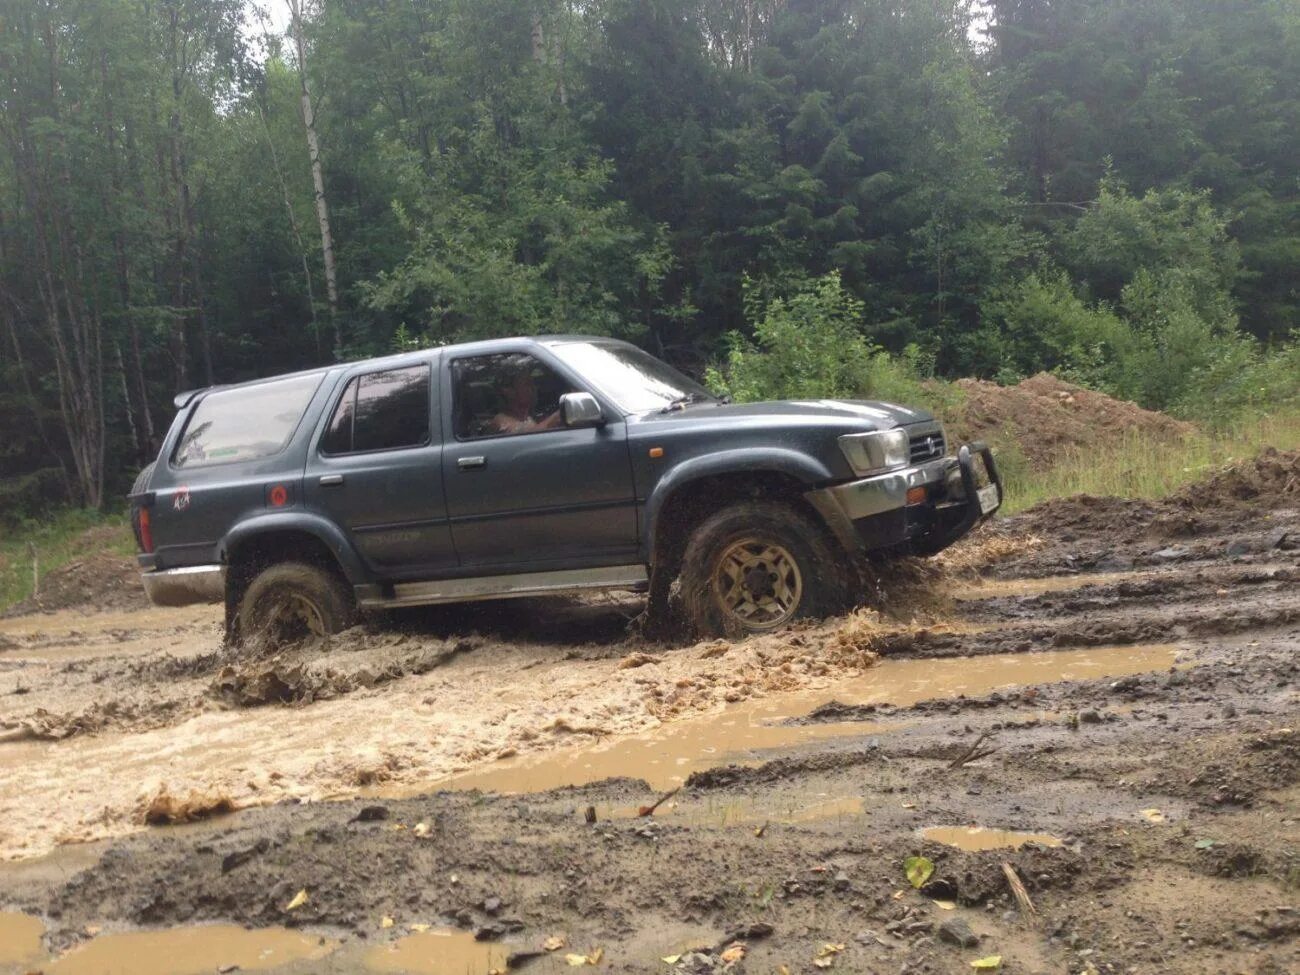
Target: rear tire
755,566
291,601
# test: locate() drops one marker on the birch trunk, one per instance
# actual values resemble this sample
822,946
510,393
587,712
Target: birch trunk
317,177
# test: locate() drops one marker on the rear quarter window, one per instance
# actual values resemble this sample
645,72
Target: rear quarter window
386,410
243,424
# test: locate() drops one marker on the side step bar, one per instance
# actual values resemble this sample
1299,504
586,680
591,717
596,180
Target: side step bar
522,584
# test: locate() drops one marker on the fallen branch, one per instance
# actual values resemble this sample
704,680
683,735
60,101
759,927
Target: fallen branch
1018,889
972,754
650,810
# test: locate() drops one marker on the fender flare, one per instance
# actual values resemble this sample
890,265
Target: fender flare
809,471
324,530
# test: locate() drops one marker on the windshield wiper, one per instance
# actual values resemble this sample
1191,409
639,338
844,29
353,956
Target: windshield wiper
681,402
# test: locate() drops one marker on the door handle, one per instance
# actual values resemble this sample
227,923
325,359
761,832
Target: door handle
331,480
471,463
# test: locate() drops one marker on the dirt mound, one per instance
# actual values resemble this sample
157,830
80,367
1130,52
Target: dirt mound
1216,502
1045,415
100,580
1271,479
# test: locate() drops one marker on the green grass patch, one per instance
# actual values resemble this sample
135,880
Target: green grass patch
66,536
1140,465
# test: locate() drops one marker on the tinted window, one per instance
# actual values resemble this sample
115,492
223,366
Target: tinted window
507,393
244,424
381,411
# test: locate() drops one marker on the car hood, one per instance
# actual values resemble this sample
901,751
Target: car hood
866,413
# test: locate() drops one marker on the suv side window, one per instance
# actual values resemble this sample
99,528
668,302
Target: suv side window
506,394
380,411
244,424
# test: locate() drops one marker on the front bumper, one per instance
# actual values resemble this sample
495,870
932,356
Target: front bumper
950,497
185,586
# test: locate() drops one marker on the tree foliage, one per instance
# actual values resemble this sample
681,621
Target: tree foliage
824,197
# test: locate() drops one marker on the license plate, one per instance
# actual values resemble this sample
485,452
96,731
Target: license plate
988,498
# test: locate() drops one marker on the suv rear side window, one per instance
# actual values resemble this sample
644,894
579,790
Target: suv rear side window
381,411
244,424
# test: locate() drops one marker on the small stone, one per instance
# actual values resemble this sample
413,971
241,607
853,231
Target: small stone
371,814
1089,717
957,932
841,881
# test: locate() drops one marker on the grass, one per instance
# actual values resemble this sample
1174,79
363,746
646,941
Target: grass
56,542
1140,465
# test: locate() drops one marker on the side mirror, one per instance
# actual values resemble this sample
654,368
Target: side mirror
580,410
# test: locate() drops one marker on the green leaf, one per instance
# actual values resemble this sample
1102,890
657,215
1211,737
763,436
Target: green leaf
919,870
992,961
1204,844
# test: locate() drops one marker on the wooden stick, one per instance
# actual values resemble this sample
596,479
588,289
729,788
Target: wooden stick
1018,889
973,753
650,810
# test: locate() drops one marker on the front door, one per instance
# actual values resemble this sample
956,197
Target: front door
376,470
525,492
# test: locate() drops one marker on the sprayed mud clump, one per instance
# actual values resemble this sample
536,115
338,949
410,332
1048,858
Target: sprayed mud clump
165,809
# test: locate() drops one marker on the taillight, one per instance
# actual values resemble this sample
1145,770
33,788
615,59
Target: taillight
146,532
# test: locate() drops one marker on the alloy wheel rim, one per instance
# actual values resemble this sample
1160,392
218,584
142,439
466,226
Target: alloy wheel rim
758,583
291,616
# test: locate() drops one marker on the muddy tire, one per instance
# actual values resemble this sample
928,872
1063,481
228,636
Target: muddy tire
755,566
292,601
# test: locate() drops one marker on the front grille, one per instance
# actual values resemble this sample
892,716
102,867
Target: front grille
927,446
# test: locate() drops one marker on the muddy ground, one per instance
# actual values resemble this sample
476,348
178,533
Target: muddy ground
1118,679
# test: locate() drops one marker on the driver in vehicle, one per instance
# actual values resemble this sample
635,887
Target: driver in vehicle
519,405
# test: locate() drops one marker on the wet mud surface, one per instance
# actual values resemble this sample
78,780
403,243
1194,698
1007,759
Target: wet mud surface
1100,698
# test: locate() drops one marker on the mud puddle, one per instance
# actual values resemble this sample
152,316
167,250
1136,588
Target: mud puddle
438,953
176,951
20,938
975,839
667,756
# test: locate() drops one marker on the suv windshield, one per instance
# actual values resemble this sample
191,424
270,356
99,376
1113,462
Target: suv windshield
635,380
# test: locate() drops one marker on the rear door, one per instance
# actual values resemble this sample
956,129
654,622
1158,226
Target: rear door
524,492
375,468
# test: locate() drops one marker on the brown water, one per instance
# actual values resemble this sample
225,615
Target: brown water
665,756
1037,586
976,838
20,938
189,951
438,953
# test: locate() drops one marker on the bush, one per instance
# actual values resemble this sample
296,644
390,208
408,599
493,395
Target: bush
809,345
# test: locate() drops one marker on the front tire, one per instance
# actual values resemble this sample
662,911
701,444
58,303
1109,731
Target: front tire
291,601
755,566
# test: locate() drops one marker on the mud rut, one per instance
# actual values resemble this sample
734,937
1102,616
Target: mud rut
1119,683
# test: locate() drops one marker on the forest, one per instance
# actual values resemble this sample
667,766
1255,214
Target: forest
768,193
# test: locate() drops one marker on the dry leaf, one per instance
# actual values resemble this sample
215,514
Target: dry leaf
554,943
1153,815
421,829
299,899
760,830
595,957
825,962
385,921
992,961
898,894
576,961
945,905
671,959
733,954
782,970
419,928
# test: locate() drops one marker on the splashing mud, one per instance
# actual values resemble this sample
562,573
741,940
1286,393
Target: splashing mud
667,756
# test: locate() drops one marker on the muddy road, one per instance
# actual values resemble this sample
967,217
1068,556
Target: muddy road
1098,698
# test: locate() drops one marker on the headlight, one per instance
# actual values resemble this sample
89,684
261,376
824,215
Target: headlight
871,453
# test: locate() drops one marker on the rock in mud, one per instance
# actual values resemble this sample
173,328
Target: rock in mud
957,932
